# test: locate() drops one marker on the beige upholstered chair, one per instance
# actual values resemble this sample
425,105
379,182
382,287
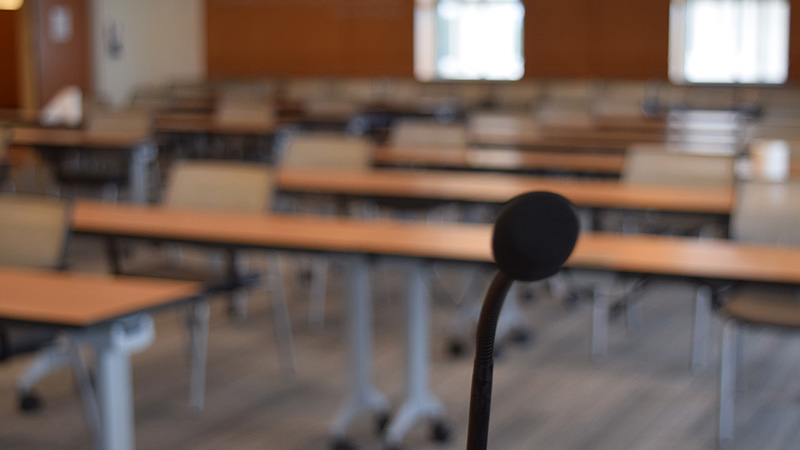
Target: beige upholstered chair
328,151
33,234
5,168
655,168
481,123
245,113
235,187
764,213
219,185
410,133
659,168
324,151
101,170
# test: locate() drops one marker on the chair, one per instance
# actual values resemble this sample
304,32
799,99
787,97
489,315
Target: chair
225,186
324,151
521,124
102,169
251,122
765,214
33,234
411,133
5,167
657,168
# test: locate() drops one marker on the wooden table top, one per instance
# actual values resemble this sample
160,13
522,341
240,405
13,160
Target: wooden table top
63,137
500,159
582,139
659,255
78,300
206,123
498,188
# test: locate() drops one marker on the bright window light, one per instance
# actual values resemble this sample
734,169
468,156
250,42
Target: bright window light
10,4
468,40
729,41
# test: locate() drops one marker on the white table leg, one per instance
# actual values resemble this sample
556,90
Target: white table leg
600,317
419,402
363,396
141,156
114,389
702,325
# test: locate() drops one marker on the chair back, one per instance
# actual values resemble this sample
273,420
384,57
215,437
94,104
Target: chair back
5,139
127,121
329,151
33,231
236,111
503,122
767,213
426,133
657,168
231,186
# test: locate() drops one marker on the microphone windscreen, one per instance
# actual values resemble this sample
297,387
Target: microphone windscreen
534,234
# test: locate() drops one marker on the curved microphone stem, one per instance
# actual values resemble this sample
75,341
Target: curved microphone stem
481,398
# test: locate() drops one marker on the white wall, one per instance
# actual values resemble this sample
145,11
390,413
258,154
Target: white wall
162,41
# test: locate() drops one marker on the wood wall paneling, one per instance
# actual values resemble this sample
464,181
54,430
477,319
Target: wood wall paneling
9,59
309,37
616,39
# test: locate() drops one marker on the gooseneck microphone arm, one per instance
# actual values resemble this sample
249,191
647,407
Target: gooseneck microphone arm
533,236
481,396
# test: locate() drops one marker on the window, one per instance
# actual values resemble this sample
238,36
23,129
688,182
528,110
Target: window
729,41
468,39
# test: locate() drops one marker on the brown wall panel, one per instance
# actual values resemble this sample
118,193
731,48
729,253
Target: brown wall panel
9,59
794,42
629,38
557,37
622,39
309,37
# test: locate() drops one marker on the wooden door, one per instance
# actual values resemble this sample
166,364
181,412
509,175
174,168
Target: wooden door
62,36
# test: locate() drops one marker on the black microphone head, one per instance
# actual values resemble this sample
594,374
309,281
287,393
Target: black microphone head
534,234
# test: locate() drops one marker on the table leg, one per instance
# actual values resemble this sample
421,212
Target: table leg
702,326
419,402
141,156
363,396
114,389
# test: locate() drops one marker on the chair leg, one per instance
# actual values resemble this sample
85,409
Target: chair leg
701,332
280,314
239,296
727,382
198,316
47,361
319,279
91,408
600,318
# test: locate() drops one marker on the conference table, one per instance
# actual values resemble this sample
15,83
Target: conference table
54,142
89,307
208,124
416,245
583,137
499,160
444,186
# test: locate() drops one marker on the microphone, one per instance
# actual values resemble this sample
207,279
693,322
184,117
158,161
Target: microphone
533,236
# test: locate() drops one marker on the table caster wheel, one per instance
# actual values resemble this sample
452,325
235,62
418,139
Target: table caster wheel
381,422
441,432
455,348
342,444
29,402
521,336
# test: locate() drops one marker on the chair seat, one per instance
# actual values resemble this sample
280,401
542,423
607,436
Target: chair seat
17,340
771,306
214,280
